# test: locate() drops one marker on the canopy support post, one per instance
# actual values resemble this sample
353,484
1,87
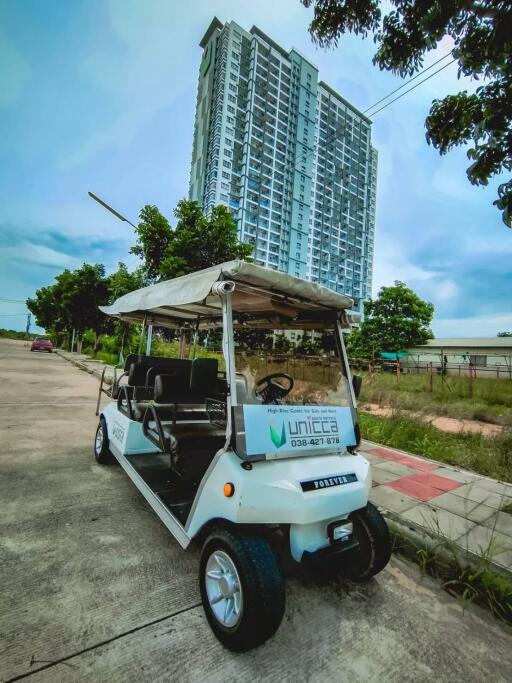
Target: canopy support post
149,340
344,358
194,343
183,344
143,327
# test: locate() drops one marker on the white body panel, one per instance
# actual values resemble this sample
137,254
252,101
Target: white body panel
269,493
125,435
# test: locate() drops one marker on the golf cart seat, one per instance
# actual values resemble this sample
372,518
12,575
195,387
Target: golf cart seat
191,447
173,388
141,373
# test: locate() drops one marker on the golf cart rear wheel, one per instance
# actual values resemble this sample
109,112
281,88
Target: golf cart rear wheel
242,589
101,445
374,550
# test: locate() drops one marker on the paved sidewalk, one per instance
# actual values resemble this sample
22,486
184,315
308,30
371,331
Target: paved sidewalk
443,501
94,367
422,494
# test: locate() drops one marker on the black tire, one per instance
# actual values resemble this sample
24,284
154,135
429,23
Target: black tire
374,550
262,589
101,447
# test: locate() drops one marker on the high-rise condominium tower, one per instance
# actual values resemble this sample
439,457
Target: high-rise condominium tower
289,156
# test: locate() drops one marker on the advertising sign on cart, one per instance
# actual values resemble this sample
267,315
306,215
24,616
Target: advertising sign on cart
272,429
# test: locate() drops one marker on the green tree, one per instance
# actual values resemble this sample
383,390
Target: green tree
504,334
72,301
481,31
154,236
197,242
122,281
307,346
282,344
328,342
46,309
395,321
253,339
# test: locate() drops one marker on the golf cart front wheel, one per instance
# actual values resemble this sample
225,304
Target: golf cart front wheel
374,550
101,445
242,589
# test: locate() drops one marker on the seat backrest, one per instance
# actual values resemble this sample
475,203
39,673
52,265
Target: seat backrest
203,375
138,370
171,388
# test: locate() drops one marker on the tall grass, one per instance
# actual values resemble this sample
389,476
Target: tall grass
473,579
491,399
490,456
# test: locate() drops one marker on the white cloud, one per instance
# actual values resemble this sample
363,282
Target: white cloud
446,290
476,326
37,253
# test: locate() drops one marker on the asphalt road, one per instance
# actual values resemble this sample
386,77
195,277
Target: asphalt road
93,588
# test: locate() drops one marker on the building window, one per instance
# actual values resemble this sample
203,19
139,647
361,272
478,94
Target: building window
478,360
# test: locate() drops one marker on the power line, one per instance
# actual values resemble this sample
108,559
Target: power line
334,136
423,71
12,301
413,88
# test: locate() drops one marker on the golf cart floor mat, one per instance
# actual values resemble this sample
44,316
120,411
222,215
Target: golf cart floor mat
177,495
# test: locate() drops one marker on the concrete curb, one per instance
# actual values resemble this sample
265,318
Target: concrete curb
445,552
82,365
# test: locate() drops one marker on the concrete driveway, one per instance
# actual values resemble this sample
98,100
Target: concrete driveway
93,588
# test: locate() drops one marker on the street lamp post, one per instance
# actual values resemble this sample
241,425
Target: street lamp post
120,216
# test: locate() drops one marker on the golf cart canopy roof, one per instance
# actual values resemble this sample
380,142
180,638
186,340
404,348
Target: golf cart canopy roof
261,298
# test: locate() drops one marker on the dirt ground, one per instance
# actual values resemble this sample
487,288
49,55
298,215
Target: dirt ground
93,588
445,424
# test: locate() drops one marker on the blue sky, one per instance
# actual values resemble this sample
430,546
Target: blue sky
99,95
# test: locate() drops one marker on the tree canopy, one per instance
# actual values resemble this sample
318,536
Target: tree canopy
395,321
405,31
72,301
197,241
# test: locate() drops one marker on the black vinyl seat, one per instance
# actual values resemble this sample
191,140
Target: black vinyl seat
170,382
173,388
191,445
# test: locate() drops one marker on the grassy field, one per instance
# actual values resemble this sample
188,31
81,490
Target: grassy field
484,455
491,399
491,402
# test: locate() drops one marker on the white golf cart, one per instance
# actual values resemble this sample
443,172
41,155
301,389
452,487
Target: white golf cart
246,454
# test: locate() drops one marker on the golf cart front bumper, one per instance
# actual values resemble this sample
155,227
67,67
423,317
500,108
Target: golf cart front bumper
309,494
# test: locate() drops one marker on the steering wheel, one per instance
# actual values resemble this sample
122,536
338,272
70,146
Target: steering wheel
271,391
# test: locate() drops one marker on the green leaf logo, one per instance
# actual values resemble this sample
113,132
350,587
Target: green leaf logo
278,440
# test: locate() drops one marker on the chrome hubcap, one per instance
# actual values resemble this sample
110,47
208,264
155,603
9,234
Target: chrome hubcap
99,439
223,588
